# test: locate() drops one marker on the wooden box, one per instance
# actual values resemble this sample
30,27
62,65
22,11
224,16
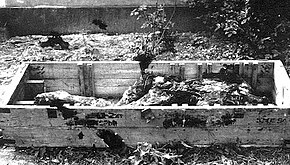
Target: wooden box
24,124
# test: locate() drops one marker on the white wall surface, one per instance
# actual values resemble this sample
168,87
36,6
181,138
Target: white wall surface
88,3
2,3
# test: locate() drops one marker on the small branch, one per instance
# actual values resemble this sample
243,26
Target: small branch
171,17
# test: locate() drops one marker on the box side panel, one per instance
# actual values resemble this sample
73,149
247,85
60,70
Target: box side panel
282,82
63,137
111,79
16,89
87,79
86,3
51,137
259,74
51,126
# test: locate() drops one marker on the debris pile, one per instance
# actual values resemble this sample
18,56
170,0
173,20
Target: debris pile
169,153
167,90
152,90
137,90
146,154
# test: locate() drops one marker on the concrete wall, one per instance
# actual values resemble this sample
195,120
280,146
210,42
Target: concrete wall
24,17
24,21
87,3
2,3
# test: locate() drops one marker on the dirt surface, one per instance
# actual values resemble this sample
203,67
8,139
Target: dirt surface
8,156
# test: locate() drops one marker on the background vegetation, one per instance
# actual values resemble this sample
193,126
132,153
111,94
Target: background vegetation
261,28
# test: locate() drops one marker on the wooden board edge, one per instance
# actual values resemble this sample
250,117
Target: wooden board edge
16,83
281,82
131,136
129,107
154,62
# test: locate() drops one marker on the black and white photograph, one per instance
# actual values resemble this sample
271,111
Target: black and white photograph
152,82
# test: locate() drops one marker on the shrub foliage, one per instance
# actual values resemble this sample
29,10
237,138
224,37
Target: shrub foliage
159,38
261,27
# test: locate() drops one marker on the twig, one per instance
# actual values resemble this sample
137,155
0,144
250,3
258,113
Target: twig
171,17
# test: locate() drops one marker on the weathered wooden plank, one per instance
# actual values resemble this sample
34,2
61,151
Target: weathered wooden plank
190,70
182,71
162,117
176,69
247,69
52,137
125,69
251,126
127,74
70,70
81,79
16,88
241,69
73,83
254,75
117,70
216,67
160,68
32,88
86,81
114,82
90,85
106,92
281,82
26,117
209,68
28,102
71,86
35,82
199,70
173,68
236,68
53,70
51,116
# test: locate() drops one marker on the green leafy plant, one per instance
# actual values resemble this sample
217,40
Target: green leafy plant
159,38
261,28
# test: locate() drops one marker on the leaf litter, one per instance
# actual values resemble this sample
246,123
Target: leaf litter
171,153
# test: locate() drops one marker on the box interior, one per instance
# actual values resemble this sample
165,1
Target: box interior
110,79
